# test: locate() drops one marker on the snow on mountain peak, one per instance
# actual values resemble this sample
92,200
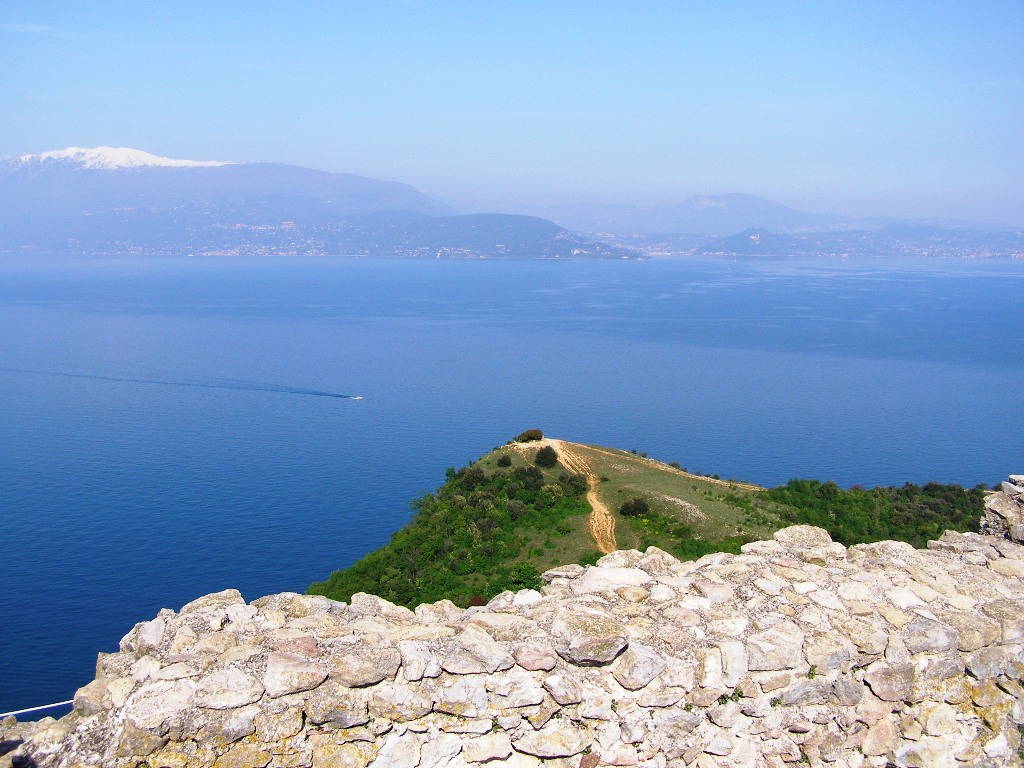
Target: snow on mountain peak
113,158
708,202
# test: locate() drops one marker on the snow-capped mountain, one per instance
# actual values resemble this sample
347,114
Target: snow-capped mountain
119,200
109,159
112,197
67,183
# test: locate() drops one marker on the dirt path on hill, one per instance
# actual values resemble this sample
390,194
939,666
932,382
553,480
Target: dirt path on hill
601,521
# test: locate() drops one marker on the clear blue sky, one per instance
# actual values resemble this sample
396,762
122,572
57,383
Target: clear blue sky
907,108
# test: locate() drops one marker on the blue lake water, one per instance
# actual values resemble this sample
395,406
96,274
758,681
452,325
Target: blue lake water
118,498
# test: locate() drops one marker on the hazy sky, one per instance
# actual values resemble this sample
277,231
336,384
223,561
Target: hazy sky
908,108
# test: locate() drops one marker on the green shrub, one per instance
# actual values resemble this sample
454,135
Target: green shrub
530,436
574,484
524,576
552,492
546,457
504,460
635,507
591,557
472,477
682,530
530,478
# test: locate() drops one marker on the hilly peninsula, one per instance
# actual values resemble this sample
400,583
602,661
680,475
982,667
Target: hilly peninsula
537,503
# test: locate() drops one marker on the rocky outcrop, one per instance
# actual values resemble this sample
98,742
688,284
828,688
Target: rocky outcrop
797,651
1004,511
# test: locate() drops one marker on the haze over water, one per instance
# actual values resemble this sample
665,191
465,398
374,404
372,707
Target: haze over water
122,497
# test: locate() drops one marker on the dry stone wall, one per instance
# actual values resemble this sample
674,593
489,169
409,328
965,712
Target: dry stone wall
1004,512
797,651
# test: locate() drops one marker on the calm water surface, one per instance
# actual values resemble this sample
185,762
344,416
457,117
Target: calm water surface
119,498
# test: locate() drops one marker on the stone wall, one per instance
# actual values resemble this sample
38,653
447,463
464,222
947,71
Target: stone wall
1004,511
798,651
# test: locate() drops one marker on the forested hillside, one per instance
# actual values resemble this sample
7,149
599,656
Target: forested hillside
498,523
911,513
481,533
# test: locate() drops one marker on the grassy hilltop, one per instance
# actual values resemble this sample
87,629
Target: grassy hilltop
534,504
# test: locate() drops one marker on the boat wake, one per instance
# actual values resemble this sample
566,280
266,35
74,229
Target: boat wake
212,382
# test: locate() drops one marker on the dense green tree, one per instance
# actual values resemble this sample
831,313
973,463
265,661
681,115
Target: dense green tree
910,513
530,436
472,477
546,457
635,507
576,484
465,540
530,478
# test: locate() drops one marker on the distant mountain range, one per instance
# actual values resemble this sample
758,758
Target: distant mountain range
109,200
712,215
890,241
119,200
746,226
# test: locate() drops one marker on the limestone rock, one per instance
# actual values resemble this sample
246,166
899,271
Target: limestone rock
890,682
336,704
398,751
417,661
136,741
243,756
463,695
398,702
609,579
563,689
557,739
808,543
227,689
287,673
588,637
880,738
795,650
493,746
489,655
924,635
151,705
535,655
778,647
88,699
362,664
349,755
515,690
637,666
570,571
440,751
734,662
